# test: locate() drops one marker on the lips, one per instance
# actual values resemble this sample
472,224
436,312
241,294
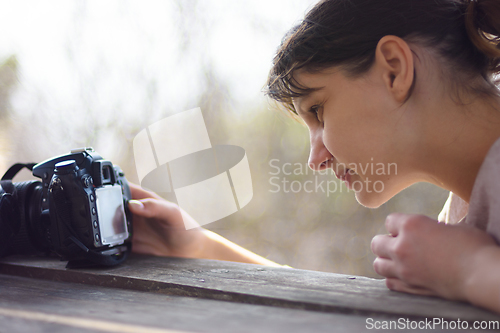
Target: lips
342,175
345,176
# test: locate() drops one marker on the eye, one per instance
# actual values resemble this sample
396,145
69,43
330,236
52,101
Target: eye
316,110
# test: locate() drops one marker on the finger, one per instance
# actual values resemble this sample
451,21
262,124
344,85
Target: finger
136,207
139,193
393,223
398,285
155,208
385,267
381,245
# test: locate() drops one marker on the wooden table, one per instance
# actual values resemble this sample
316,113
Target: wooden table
154,294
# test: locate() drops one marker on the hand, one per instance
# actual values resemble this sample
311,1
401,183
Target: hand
422,256
159,227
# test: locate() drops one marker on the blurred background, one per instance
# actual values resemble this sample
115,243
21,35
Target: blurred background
95,73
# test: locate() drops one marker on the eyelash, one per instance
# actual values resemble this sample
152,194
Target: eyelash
314,110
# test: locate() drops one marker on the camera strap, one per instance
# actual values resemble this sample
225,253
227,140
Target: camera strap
6,199
6,181
14,169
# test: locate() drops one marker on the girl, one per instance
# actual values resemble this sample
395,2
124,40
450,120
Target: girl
405,82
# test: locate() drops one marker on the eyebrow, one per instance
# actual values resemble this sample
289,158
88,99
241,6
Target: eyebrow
306,97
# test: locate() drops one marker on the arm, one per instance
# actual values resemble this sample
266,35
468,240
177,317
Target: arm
159,230
483,286
457,262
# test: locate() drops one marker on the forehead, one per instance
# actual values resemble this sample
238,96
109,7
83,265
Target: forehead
315,78
317,81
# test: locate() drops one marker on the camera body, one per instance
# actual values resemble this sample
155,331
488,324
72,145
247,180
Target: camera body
78,210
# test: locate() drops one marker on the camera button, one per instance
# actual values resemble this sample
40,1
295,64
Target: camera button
97,238
92,198
95,224
93,211
87,181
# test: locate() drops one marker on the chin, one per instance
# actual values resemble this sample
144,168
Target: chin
369,200
373,199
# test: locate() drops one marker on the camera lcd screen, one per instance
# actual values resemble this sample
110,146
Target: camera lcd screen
111,215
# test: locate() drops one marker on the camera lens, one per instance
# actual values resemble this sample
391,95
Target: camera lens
25,209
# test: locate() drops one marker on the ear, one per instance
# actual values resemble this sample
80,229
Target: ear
394,58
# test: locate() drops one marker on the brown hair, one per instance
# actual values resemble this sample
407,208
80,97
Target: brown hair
346,33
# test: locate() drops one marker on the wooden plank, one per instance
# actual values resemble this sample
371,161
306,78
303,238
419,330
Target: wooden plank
28,319
30,305
252,284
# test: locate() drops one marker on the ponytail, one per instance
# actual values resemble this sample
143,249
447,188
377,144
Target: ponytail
482,21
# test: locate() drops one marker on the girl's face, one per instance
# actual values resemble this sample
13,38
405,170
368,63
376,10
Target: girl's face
360,131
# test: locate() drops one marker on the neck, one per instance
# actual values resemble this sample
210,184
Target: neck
460,136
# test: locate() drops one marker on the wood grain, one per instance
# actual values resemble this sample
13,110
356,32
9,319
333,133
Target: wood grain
32,305
251,284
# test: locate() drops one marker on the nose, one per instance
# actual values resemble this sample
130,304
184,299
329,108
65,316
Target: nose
319,157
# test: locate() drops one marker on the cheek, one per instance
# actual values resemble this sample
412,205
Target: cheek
350,136
363,130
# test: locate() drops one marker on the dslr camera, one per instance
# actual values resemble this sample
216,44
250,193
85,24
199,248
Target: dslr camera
78,210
